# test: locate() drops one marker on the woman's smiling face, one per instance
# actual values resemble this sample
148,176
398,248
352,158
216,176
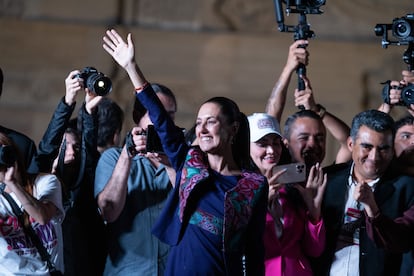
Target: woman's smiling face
212,131
266,151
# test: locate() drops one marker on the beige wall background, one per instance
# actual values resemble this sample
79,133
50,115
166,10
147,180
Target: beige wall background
198,48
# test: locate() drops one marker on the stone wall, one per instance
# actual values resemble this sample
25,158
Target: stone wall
198,48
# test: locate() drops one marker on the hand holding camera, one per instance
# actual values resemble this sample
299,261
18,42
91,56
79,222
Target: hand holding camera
135,141
399,92
143,141
95,81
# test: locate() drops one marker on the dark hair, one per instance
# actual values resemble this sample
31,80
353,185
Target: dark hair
6,142
404,121
241,141
373,119
110,120
190,135
139,110
300,114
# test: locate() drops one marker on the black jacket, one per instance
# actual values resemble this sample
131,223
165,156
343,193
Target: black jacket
393,194
51,143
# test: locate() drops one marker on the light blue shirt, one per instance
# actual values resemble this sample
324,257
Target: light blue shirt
133,250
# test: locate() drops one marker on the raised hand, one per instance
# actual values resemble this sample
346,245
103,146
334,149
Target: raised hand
122,52
312,193
305,97
297,55
91,100
274,185
73,86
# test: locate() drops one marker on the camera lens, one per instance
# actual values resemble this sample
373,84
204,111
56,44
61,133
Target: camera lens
99,84
401,28
407,95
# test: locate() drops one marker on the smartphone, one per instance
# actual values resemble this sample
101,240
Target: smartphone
153,140
295,172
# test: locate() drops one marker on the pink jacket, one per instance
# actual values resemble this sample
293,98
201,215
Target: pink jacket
288,255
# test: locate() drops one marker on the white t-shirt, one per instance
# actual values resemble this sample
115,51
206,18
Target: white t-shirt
18,256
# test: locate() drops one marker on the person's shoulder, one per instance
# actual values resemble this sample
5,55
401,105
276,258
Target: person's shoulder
15,135
336,168
402,179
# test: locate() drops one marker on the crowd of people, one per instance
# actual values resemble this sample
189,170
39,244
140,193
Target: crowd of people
213,200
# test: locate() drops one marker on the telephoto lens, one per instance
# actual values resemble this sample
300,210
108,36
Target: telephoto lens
96,81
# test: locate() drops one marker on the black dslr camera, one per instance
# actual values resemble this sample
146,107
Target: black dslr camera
95,81
402,30
407,93
7,156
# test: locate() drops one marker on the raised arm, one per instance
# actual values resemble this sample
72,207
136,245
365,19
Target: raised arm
277,100
41,210
337,127
124,54
52,138
171,136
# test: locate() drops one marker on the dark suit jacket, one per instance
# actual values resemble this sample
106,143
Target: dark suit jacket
393,194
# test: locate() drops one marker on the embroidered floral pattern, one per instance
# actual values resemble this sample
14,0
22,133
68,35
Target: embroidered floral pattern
238,206
238,202
193,171
207,222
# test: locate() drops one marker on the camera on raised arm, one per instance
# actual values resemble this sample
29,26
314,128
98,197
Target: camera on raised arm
407,93
95,81
402,30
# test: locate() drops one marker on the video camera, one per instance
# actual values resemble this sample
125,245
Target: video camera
95,81
300,31
403,31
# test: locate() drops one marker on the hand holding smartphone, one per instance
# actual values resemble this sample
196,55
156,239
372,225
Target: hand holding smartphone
295,173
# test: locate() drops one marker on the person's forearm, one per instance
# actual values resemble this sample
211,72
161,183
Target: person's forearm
111,200
42,212
136,76
277,100
340,131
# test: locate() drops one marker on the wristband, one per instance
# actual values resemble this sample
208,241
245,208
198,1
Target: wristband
142,87
322,110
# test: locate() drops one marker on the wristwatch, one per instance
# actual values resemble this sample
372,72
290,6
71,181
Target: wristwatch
322,110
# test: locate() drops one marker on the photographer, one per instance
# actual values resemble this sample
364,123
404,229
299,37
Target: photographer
305,98
393,95
131,187
30,210
72,154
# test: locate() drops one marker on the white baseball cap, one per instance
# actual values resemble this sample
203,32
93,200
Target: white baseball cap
262,124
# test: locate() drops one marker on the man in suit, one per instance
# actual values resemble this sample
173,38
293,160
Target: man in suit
396,235
348,250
